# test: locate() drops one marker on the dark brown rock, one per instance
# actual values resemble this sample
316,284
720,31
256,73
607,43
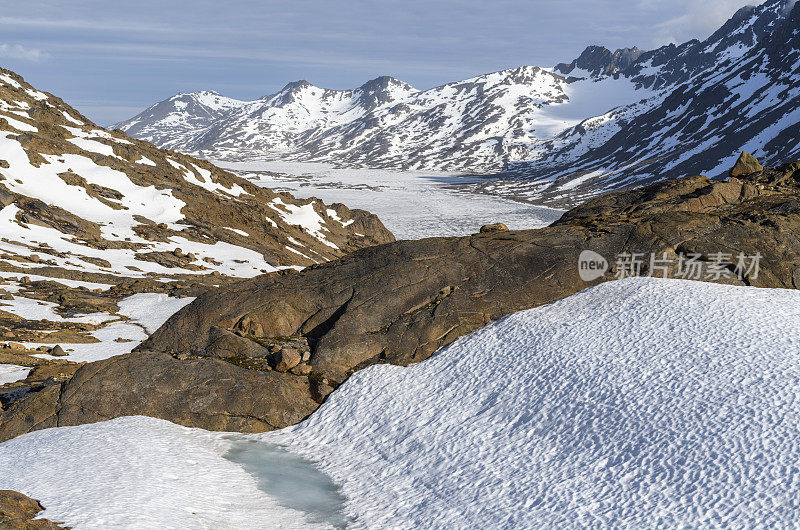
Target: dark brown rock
286,359
17,511
398,303
320,391
200,392
301,369
57,351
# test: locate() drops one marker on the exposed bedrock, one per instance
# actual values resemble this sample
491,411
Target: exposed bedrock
263,353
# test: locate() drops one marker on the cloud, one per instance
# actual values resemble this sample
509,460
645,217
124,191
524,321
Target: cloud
95,25
699,19
17,51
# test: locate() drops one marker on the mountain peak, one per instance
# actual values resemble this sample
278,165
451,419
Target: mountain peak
600,61
382,83
296,86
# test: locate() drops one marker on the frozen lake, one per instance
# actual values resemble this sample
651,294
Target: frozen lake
412,204
292,480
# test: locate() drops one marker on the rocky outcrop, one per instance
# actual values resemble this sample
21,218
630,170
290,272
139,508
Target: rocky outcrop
600,61
224,357
18,512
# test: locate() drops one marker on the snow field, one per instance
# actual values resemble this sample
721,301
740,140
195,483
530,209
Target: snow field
639,403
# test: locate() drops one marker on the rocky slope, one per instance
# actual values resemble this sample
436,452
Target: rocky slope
80,198
91,219
605,121
263,353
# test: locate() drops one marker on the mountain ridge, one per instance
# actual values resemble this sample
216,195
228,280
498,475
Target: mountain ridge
552,135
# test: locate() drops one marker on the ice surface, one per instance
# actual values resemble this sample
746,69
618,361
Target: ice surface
412,204
291,479
139,473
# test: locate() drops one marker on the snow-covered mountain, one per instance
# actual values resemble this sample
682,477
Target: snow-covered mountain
477,123
82,199
559,135
736,91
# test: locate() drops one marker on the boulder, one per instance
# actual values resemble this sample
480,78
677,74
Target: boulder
286,359
746,165
497,227
57,351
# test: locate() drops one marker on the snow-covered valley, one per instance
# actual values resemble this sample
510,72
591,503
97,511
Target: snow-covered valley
672,403
412,204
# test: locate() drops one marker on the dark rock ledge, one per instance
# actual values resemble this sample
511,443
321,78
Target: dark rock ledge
264,353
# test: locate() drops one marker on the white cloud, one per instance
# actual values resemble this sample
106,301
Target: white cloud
699,19
17,51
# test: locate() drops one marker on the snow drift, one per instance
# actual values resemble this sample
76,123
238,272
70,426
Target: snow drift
638,403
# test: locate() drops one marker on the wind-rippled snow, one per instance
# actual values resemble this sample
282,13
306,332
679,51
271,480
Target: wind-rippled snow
641,403
635,404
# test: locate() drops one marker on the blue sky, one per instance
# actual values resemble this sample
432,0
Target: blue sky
111,59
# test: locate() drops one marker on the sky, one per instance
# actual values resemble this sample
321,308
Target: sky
112,59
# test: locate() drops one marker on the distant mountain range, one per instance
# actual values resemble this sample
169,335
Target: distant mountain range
607,120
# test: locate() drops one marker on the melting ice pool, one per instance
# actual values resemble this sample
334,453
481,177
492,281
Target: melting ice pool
293,481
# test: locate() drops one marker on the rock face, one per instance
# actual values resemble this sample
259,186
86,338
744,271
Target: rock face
191,391
398,303
601,61
80,198
18,511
